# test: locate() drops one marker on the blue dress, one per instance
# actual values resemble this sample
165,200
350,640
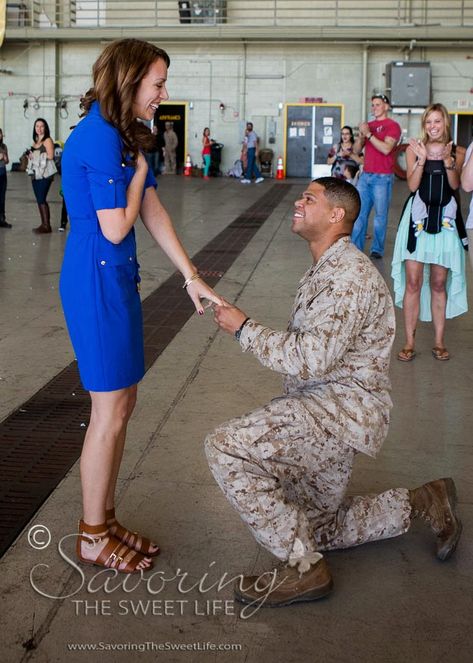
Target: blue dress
99,279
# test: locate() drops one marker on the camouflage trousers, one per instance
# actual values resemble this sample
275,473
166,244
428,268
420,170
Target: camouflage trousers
287,478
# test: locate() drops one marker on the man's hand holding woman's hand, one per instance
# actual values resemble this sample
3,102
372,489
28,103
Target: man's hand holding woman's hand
229,318
198,290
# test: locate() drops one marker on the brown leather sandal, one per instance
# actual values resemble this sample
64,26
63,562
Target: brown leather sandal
406,354
441,354
114,555
132,539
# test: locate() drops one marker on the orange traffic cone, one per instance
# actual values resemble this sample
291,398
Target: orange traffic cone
280,169
188,166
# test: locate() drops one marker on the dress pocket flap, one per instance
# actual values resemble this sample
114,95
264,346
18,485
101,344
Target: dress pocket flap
116,259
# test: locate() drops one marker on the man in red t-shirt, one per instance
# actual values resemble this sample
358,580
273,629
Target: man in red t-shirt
378,139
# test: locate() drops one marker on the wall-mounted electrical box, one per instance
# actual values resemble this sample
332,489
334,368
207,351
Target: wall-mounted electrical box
408,84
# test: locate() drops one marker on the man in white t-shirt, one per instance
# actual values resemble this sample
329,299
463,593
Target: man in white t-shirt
467,185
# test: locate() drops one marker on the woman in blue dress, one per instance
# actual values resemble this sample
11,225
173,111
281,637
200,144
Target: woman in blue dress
428,265
106,185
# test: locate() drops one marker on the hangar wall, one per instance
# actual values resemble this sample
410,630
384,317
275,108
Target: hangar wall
251,79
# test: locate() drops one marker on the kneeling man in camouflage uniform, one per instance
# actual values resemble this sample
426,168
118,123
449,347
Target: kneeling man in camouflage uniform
286,466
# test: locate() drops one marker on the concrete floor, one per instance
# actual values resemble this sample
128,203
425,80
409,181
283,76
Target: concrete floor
393,601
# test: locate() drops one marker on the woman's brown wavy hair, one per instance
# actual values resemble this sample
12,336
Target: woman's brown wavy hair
117,73
440,108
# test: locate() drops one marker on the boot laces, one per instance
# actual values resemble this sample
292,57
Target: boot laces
424,514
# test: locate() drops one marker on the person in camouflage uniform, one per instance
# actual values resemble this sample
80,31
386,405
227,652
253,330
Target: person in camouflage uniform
285,467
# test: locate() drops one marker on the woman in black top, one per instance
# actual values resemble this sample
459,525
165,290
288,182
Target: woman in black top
42,145
342,154
429,263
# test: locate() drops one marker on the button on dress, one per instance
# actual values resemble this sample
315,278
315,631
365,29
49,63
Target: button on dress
99,279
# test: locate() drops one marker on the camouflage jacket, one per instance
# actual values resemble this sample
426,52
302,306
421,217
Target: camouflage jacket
335,354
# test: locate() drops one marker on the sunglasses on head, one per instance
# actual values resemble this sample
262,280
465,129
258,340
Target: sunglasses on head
383,97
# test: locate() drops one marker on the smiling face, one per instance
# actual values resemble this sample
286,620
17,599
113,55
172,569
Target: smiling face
435,126
379,108
346,136
151,91
312,213
39,129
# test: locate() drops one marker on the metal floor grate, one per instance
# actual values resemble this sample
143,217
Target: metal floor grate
41,440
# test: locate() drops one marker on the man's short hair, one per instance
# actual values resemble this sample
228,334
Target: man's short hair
341,194
383,97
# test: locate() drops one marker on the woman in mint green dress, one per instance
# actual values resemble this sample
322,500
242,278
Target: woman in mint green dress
428,265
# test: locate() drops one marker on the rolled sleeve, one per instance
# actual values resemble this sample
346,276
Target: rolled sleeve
107,191
150,180
105,171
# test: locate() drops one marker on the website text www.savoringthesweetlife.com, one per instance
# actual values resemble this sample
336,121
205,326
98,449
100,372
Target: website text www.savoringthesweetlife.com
148,646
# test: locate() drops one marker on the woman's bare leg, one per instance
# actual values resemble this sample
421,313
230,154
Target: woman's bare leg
411,302
103,445
438,280
100,462
120,445
136,541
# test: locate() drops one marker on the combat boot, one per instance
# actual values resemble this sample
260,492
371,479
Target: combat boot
435,503
285,585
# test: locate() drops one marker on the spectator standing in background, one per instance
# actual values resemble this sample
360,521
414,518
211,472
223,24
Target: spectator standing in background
154,157
377,140
206,144
342,154
3,181
252,142
42,168
170,146
428,267
467,184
